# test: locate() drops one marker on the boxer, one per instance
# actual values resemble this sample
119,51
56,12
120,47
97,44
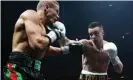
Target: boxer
97,55
34,31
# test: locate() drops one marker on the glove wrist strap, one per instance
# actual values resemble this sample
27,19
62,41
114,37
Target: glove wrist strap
52,36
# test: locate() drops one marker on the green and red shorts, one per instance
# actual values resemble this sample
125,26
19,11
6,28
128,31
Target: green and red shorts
22,67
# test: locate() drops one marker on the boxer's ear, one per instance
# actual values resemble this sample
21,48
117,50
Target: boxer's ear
46,7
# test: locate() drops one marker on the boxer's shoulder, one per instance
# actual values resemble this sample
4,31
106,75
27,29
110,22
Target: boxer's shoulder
30,15
109,45
107,42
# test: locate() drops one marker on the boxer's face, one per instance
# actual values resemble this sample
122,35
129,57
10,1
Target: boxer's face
52,13
96,34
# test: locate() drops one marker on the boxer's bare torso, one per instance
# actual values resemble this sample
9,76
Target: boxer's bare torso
93,59
20,37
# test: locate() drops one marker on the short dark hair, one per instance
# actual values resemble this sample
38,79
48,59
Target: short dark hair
95,24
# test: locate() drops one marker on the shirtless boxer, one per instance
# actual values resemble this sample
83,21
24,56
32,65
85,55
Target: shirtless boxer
97,55
34,31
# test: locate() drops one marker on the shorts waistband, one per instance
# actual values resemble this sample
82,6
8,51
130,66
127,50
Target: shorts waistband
86,75
93,77
92,73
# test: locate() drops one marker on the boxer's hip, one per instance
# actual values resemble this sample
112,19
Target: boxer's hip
23,66
86,75
22,59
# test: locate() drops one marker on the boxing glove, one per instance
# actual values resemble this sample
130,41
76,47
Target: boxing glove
112,50
62,28
57,32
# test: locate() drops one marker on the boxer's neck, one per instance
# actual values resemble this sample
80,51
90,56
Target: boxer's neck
100,45
42,17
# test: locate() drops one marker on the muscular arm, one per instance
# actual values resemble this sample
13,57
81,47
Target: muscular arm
53,51
65,41
119,66
35,39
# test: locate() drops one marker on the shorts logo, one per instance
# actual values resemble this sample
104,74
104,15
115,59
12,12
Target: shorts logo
93,77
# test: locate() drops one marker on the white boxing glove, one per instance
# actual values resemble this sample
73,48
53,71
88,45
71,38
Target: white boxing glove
57,32
112,49
61,27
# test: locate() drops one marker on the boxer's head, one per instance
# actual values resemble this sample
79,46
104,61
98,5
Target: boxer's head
96,32
48,11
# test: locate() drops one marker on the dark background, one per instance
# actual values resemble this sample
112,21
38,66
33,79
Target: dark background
116,17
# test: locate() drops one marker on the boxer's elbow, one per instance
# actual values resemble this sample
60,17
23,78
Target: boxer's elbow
33,44
42,43
39,43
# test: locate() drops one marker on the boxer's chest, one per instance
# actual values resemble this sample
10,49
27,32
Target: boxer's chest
97,59
41,29
98,56
103,56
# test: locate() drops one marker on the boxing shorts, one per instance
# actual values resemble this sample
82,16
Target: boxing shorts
86,75
22,67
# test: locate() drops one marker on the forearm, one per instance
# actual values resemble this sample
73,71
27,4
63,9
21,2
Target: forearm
118,66
65,41
53,51
71,48
69,41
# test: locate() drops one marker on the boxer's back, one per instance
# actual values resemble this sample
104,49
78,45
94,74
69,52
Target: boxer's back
94,60
20,38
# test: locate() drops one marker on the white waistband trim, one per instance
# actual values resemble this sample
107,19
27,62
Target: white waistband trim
92,73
